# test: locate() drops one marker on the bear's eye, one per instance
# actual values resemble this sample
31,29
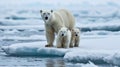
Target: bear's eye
48,13
43,13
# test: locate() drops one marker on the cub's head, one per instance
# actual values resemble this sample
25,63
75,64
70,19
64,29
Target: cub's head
76,32
63,31
46,15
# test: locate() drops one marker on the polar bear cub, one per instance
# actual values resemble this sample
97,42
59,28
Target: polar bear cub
75,39
63,38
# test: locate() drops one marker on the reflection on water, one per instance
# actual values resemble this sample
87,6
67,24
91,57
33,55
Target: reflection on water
55,63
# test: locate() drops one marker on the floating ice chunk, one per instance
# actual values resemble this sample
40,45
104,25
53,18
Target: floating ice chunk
33,49
22,49
98,57
84,56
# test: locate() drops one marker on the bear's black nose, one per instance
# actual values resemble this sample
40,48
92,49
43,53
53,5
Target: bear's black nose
76,35
62,34
46,18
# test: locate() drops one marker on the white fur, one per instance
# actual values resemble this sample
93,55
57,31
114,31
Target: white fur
63,38
75,39
55,20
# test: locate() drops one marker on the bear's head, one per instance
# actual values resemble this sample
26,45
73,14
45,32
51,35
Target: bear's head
63,31
76,32
46,15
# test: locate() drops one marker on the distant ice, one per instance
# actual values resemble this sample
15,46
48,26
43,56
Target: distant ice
16,38
109,26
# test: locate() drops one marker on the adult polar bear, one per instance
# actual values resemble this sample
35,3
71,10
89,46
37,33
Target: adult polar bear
54,21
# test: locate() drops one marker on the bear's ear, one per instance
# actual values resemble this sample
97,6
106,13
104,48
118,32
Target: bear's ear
41,11
51,11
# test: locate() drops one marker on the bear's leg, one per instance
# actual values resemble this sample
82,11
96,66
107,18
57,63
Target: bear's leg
67,43
72,39
71,44
76,43
50,38
58,42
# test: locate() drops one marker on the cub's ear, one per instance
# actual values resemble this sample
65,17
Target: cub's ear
41,11
51,11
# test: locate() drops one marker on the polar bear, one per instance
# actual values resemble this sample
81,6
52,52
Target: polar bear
54,20
63,38
75,37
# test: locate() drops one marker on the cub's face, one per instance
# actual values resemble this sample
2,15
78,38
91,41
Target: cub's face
63,31
76,32
46,15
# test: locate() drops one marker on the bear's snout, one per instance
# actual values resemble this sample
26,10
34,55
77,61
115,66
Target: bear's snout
46,18
76,35
62,34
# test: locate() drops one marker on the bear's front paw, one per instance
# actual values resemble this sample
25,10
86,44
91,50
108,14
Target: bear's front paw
76,45
48,45
71,46
59,47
